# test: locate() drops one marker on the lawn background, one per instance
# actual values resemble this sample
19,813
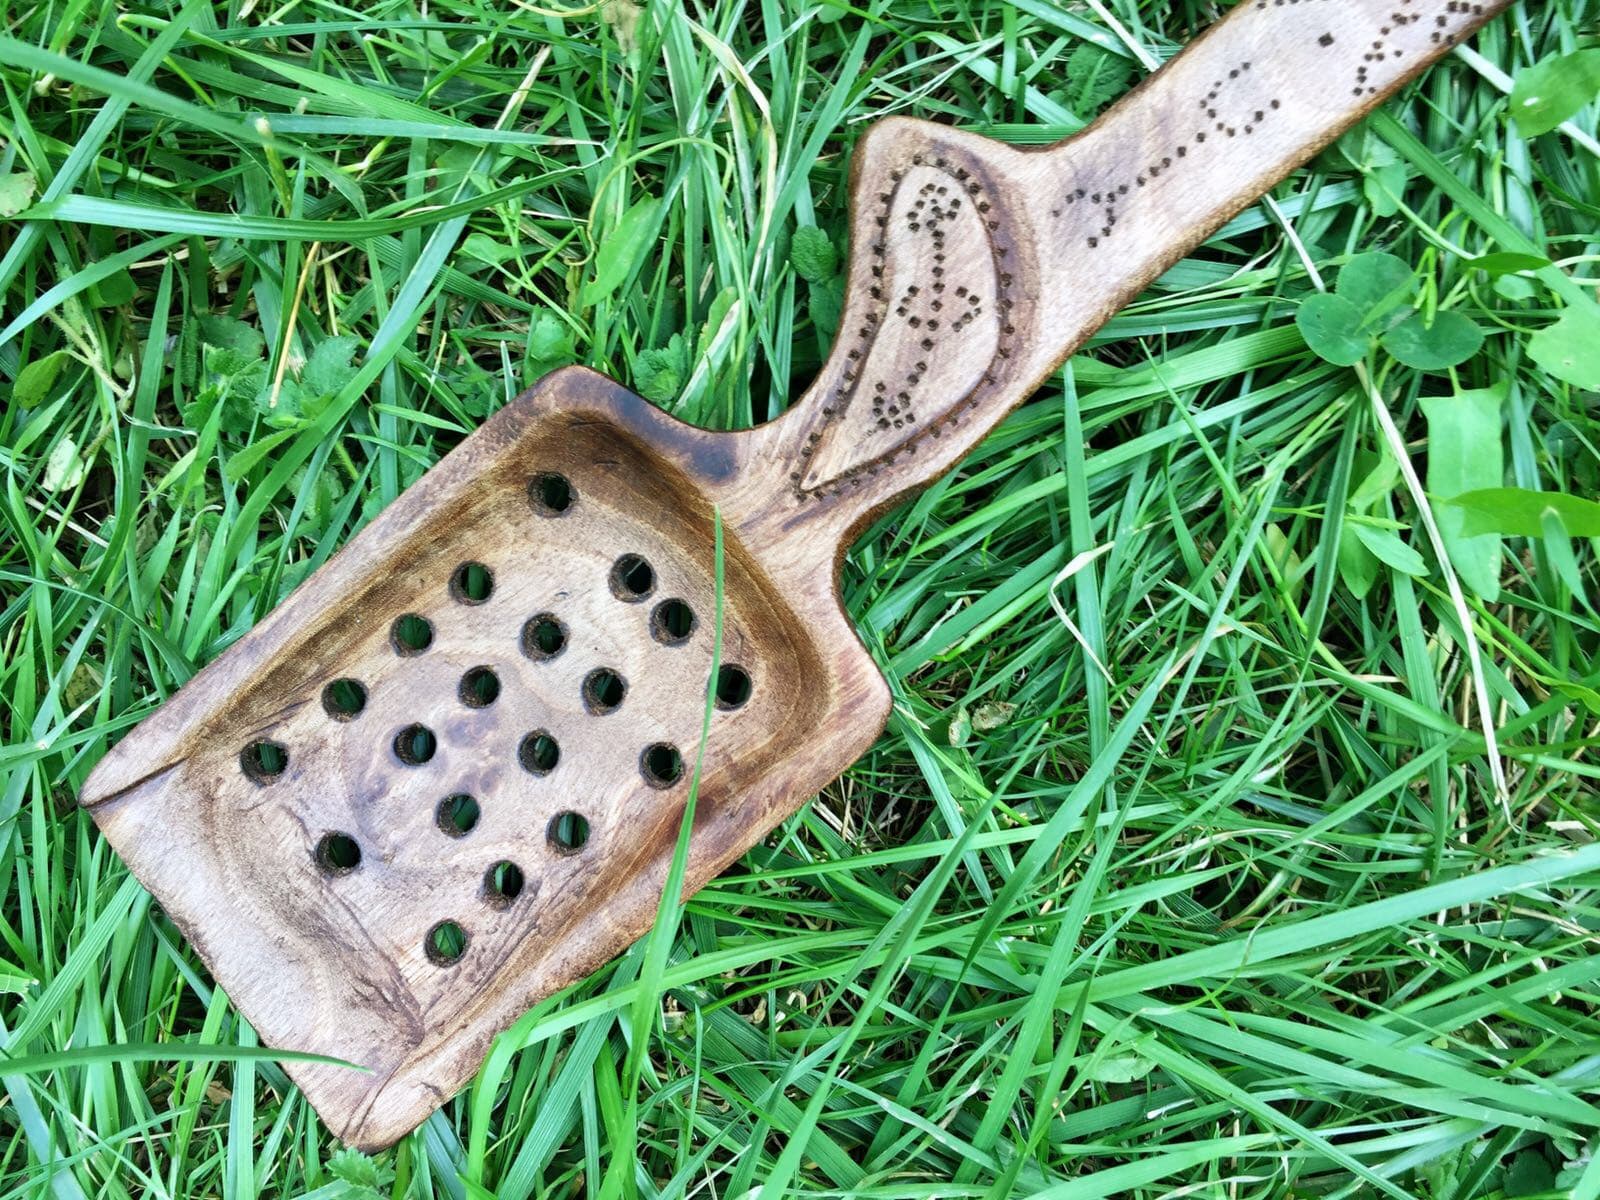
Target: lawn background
1188,867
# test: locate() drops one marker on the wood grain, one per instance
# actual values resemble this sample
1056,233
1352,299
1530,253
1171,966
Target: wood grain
297,807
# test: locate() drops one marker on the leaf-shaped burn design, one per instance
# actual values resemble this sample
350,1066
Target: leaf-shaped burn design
938,320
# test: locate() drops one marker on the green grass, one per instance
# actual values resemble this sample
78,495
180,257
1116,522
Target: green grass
1184,867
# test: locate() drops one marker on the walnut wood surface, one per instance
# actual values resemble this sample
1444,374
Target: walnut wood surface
976,268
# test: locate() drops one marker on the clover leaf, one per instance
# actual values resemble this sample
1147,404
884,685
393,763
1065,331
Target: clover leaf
1374,300
1449,341
1331,326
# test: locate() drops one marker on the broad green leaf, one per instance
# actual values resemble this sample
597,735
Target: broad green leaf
1518,512
960,731
454,168
36,379
621,249
812,255
115,289
296,401
1515,287
1558,552
63,470
1529,1175
232,378
1506,262
485,249
1331,326
233,334
827,303
16,192
1360,149
1120,1068
1570,348
550,343
281,403
1390,548
1448,342
1095,76
328,369
992,714
83,684
1586,696
357,1170
1289,564
1443,1174
1553,91
226,367
1383,187
1375,283
321,491
721,305
1465,454
662,371
1358,566
1382,473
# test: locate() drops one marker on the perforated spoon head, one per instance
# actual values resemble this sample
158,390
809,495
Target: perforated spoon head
445,777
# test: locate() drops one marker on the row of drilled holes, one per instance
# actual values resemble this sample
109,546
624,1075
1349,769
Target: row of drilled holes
632,579
538,753
660,763
457,815
264,760
544,636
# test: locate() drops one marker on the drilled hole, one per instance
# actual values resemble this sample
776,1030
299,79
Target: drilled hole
502,883
411,634
539,753
733,686
338,853
264,761
343,699
550,494
479,687
446,943
603,691
458,814
471,583
661,765
543,637
569,832
672,622
632,578
415,745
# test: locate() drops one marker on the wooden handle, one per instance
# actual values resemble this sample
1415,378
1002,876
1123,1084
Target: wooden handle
976,268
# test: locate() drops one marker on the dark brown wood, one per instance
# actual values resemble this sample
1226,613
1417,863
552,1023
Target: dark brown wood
297,807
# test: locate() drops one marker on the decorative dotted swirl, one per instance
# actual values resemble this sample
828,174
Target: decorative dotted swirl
921,311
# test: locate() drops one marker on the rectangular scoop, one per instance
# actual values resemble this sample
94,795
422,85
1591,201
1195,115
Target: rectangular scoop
482,716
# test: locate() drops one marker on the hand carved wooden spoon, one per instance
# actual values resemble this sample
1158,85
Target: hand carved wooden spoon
444,778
